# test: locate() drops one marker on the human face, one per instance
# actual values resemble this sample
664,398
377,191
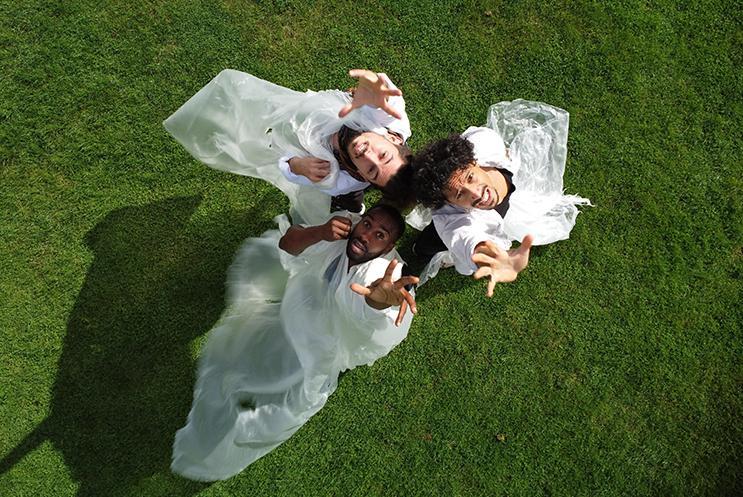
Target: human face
373,236
376,157
472,187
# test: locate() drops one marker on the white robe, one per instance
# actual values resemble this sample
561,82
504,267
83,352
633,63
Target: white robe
245,125
536,136
290,327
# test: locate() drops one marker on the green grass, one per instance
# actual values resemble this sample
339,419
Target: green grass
611,367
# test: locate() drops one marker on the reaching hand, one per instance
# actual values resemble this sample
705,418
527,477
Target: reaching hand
337,228
371,91
499,265
384,292
312,168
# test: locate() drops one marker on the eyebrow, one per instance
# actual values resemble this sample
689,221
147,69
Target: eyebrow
465,173
381,226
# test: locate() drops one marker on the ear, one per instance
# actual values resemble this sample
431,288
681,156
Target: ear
394,138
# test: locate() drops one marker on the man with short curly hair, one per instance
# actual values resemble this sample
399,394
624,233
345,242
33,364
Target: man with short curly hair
486,196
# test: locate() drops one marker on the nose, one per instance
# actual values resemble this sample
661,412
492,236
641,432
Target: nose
472,191
365,237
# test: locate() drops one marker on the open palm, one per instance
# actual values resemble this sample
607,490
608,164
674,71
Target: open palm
498,265
372,91
385,292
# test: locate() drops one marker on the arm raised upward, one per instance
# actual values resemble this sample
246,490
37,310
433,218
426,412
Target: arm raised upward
297,238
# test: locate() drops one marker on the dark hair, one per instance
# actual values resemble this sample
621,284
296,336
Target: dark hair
434,166
392,213
398,192
345,137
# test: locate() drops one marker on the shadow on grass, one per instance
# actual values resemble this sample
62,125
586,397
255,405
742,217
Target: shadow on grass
125,376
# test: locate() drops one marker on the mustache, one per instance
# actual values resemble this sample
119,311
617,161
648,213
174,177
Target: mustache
362,242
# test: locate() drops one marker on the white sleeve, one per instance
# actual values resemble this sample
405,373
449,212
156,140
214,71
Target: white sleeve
461,233
345,183
383,120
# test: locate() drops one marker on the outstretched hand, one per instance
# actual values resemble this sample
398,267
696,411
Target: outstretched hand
499,265
337,228
372,91
384,292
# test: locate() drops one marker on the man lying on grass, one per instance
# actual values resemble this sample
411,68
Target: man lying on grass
485,195
322,149
301,308
370,149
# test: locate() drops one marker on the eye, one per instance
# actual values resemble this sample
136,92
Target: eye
469,177
367,224
380,235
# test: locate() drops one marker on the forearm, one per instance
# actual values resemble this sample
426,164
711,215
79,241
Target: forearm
298,238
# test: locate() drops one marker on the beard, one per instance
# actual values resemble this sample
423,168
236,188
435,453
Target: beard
358,252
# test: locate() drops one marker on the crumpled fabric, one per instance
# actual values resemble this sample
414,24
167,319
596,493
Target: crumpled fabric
291,325
536,136
243,124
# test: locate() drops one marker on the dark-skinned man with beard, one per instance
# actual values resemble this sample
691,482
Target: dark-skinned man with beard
301,308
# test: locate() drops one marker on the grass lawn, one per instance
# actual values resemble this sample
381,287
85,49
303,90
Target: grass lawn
612,367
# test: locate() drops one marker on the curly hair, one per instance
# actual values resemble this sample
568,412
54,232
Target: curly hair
434,166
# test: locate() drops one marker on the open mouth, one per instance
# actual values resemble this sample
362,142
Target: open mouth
487,199
359,149
358,247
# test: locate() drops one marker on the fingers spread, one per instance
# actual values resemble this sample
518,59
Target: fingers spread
490,248
345,110
391,111
526,244
361,290
483,260
405,281
482,272
401,313
410,300
390,269
491,286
